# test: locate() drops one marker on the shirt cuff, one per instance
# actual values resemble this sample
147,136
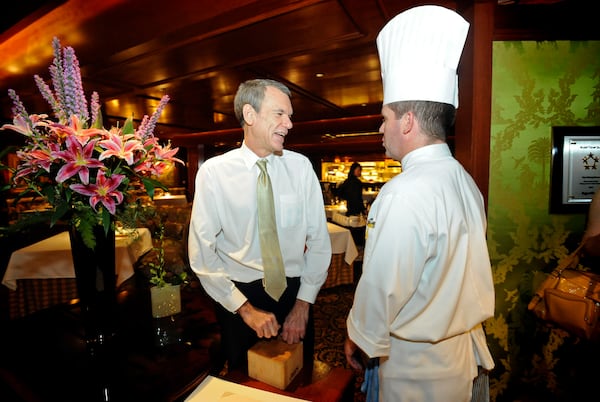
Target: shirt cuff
308,293
235,301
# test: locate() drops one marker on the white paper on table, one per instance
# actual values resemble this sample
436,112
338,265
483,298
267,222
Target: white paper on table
213,389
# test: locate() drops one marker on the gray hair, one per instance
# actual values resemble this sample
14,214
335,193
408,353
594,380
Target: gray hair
435,118
252,92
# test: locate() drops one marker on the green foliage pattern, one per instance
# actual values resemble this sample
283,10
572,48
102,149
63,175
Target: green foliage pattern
536,85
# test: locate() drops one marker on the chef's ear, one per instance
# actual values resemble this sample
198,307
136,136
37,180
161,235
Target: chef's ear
409,121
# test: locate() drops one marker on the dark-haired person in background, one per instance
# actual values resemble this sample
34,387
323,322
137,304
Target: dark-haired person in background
351,191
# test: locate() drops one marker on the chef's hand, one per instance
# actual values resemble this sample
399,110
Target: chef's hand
351,351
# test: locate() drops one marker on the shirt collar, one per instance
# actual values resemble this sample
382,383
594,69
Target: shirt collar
428,151
250,157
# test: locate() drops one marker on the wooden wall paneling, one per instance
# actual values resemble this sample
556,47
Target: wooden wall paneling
472,139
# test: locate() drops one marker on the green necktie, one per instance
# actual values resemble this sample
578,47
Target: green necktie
275,281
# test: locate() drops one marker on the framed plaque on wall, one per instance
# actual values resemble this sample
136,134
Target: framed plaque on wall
575,171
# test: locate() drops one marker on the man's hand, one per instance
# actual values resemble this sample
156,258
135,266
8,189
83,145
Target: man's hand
294,327
350,350
262,322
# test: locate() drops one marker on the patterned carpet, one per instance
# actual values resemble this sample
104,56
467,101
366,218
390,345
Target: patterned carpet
331,310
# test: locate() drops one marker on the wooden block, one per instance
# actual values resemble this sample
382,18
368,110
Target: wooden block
274,362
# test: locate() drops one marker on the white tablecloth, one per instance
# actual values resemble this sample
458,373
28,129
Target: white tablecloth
354,221
342,242
51,258
331,209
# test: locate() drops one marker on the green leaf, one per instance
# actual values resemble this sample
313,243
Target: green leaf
98,123
87,233
60,211
128,126
151,184
106,220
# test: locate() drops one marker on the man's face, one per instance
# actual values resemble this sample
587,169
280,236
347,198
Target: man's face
273,121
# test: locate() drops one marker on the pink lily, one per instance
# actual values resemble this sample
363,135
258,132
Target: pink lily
156,168
75,129
150,142
79,160
166,153
146,167
26,166
21,125
115,147
42,158
31,161
104,191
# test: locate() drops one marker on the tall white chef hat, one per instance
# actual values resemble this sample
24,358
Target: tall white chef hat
419,50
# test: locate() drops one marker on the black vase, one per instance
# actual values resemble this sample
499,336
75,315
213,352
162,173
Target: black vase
96,278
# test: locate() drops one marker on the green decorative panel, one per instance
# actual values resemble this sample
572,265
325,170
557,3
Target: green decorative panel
535,86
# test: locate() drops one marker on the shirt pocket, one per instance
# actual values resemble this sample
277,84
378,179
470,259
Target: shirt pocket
291,210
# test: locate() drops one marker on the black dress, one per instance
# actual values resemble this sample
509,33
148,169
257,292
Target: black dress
351,191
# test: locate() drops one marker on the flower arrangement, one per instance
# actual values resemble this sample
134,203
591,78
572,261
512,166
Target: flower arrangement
84,171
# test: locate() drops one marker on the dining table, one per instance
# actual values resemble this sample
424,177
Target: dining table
41,275
343,254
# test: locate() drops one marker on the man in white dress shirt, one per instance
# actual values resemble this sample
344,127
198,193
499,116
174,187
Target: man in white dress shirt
224,247
426,286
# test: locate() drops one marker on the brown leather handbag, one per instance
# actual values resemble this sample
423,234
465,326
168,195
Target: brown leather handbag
570,298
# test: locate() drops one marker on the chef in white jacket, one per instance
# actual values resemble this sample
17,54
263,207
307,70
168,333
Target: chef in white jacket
426,286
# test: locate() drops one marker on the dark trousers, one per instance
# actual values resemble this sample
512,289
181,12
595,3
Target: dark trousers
237,337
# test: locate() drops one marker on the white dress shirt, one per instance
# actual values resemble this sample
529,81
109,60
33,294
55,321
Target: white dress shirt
223,241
